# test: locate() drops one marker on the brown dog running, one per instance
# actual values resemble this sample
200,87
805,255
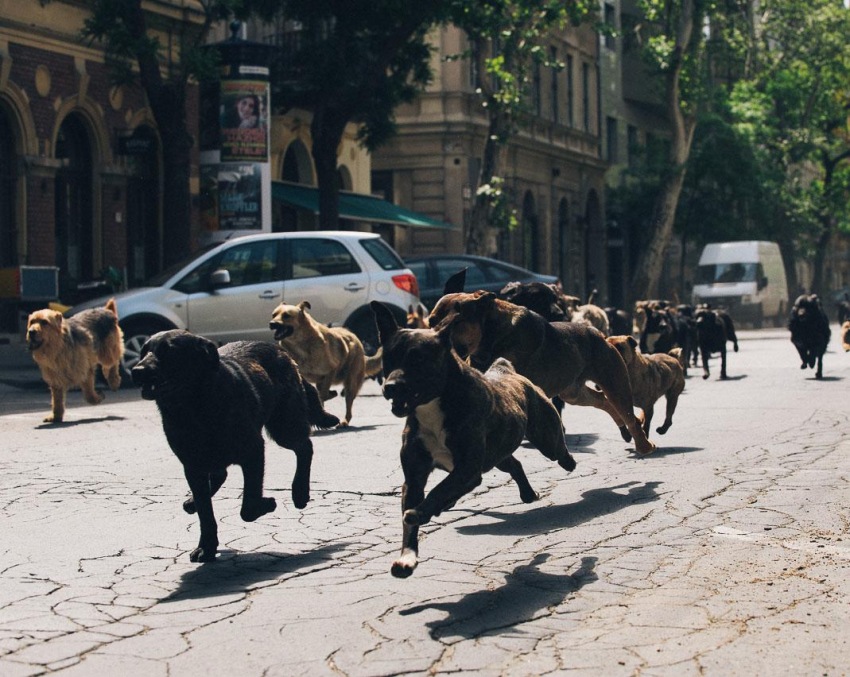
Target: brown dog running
651,377
68,351
560,357
458,420
325,355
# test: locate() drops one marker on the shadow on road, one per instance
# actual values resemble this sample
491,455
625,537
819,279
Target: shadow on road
81,421
593,503
236,572
526,591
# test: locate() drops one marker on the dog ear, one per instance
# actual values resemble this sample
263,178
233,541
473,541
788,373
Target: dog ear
632,341
387,326
210,352
455,283
304,305
56,320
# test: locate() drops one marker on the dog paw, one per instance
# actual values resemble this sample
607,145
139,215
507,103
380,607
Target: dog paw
189,506
705,376
414,518
568,463
253,512
300,497
52,419
663,429
529,497
404,565
201,554
625,434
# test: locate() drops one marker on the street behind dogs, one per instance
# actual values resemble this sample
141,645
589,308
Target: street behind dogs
458,420
214,404
325,355
69,350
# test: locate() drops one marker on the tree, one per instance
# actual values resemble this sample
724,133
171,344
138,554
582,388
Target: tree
675,43
351,62
136,56
795,104
505,38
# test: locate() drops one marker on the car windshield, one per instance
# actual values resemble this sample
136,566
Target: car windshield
718,273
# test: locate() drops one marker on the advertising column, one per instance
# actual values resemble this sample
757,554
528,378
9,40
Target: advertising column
235,171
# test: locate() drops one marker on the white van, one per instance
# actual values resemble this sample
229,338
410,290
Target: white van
746,278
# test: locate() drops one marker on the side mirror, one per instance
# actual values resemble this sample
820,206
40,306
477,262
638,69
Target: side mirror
762,283
220,278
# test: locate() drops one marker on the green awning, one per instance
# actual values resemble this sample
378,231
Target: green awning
352,206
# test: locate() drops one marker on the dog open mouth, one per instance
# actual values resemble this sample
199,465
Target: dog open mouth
34,343
281,331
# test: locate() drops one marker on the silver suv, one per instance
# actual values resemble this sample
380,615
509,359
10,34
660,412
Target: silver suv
227,291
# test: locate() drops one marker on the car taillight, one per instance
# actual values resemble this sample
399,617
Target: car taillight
407,283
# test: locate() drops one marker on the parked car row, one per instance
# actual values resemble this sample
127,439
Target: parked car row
228,290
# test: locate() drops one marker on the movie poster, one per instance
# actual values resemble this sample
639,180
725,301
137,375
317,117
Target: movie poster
243,119
240,196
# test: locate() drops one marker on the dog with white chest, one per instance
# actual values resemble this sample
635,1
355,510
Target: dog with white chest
458,420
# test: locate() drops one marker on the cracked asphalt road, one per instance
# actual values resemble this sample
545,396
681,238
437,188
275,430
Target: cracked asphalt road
724,553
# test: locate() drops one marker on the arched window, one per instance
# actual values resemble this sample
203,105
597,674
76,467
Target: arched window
8,192
73,206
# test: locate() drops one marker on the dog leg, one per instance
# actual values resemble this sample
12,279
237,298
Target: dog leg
89,392
723,362
113,377
216,479
301,481
672,399
199,483
648,412
416,472
254,504
455,485
514,468
819,372
57,405
705,355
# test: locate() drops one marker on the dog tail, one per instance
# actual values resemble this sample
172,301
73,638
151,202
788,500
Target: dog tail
374,363
679,355
316,413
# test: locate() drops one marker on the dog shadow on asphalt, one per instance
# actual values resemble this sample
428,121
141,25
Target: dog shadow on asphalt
593,503
526,590
81,421
236,572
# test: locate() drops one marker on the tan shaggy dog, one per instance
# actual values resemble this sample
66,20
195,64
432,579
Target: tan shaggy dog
325,355
67,351
652,376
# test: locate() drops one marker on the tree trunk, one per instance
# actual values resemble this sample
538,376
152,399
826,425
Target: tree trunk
327,130
648,271
477,234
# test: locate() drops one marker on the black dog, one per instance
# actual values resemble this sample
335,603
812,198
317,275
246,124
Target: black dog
714,329
540,297
214,405
459,420
810,332
664,330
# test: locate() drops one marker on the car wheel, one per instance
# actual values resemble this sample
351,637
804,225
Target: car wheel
758,319
135,335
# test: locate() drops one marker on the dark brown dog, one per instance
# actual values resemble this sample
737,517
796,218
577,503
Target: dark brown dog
652,376
458,420
557,356
214,405
68,352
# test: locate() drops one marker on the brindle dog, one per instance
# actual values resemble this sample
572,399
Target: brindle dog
458,420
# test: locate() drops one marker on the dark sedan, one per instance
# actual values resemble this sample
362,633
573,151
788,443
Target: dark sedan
482,273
